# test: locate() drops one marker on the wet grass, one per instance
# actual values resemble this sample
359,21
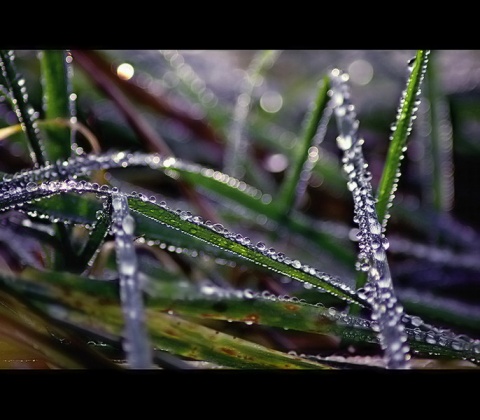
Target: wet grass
157,216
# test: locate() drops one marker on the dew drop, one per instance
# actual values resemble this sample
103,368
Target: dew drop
385,243
31,186
344,142
248,293
261,246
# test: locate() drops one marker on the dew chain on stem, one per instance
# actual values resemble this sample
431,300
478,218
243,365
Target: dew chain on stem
386,310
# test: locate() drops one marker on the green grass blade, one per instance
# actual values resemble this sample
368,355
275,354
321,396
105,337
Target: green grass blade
98,300
440,141
67,207
403,125
94,242
255,201
94,304
56,75
25,113
196,341
217,236
300,166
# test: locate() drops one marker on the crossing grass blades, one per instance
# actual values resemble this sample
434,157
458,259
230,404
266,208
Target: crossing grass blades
99,275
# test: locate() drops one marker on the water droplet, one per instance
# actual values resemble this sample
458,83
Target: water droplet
261,246
385,243
31,186
411,63
375,227
248,293
296,264
344,142
128,224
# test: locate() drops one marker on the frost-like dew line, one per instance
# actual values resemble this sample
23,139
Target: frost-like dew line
386,310
313,156
437,255
442,303
404,121
136,343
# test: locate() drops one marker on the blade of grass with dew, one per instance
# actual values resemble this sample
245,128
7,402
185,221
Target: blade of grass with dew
254,200
236,152
441,309
299,169
217,235
95,239
178,296
262,308
28,120
56,73
176,335
24,111
372,258
297,224
230,305
136,343
220,184
398,140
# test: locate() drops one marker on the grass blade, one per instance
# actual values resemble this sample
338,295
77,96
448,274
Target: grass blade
398,140
136,343
94,305
95,239
300,167
25,113
56,80
441,141
372,258
260,254
74,293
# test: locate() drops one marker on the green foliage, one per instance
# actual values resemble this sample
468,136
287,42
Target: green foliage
252,271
